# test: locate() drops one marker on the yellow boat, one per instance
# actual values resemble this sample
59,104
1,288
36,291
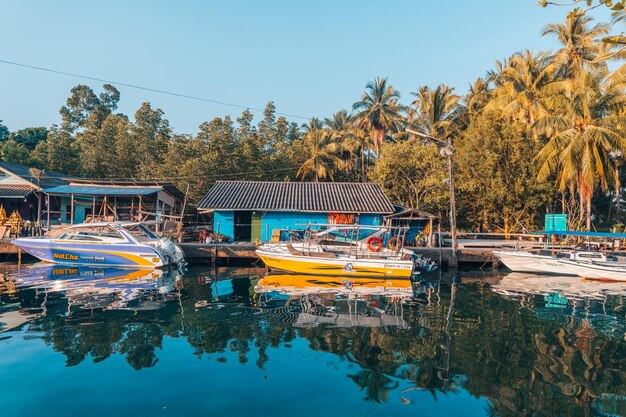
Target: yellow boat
349,251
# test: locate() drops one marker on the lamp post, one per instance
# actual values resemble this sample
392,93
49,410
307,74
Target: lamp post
447,150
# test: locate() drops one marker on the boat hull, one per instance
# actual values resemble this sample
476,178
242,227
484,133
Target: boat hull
596,271
337,267
536,264
121,255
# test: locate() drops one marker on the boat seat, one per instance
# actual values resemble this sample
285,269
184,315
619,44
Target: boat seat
293,250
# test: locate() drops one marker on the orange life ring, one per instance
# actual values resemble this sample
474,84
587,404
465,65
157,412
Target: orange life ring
394,243
379,244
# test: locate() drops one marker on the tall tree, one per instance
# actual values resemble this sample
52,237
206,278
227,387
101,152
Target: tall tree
322,152
523,86
379,111
580,44
439,112
583,136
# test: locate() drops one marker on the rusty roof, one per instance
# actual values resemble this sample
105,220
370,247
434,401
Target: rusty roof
327,197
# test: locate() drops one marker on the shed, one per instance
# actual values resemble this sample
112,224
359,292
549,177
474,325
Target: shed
85,200
417,221
254,210
21,189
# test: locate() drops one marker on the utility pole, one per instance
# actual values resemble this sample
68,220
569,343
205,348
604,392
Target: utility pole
446,151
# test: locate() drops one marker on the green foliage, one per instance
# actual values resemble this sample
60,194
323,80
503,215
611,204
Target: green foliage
497,176
29,137
413,174
15,153
4,132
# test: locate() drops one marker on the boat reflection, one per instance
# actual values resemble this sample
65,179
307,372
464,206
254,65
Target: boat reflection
598,303
574,288
308,301
85,288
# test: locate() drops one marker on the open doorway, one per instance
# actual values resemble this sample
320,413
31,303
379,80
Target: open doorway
243,226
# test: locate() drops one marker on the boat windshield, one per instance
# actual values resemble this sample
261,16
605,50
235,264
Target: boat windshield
141,233
97,235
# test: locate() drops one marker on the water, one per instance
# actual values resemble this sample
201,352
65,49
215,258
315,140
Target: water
79,341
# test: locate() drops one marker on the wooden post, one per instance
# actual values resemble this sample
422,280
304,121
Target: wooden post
104,202
115,208
48,207
139,210
93,209
19,258
432,232
72,211
38,194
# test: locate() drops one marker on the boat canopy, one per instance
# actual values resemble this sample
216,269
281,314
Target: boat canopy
583,234
112,224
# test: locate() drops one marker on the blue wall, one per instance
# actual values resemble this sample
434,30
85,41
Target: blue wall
282,221
223,221
287,220
370,219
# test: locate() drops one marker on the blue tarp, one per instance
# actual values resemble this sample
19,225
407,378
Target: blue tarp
102,190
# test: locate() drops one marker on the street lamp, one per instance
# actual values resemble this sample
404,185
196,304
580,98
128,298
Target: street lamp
447,150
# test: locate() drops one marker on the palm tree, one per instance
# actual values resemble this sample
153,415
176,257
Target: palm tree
323,159
583,135
313,124
581,45
478,96
379,111
523,87
439,112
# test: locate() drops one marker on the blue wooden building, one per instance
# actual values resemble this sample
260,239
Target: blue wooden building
255,210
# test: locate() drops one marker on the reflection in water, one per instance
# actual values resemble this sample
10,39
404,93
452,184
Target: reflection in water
525,345
303,301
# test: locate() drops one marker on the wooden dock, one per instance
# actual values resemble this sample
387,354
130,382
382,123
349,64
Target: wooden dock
202,253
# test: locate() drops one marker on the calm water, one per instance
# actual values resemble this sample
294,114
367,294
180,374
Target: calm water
99,342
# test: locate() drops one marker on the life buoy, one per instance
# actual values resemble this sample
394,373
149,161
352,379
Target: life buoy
378,244
394,243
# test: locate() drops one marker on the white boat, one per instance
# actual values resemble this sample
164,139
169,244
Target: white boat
122,244
518,261
358,251
586,260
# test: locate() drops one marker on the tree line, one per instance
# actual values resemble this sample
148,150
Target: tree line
541,132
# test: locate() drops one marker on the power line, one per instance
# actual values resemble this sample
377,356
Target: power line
156,179
138,87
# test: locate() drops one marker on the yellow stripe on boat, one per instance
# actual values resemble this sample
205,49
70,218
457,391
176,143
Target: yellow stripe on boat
312,266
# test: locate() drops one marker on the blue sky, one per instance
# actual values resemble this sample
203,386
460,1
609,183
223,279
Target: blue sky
311,58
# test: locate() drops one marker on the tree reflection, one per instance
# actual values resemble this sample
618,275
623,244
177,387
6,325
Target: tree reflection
525,357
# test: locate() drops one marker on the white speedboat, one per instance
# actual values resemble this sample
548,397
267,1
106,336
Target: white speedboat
586,260
358,251
122,244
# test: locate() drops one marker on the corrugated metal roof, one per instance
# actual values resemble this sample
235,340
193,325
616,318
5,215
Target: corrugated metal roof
98,190
46,180
15,191
333,197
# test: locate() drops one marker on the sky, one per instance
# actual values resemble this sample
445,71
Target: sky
312,58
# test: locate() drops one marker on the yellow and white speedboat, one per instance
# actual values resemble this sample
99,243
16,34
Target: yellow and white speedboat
350,251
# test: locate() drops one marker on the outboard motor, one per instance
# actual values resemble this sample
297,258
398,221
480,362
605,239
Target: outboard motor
172,253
